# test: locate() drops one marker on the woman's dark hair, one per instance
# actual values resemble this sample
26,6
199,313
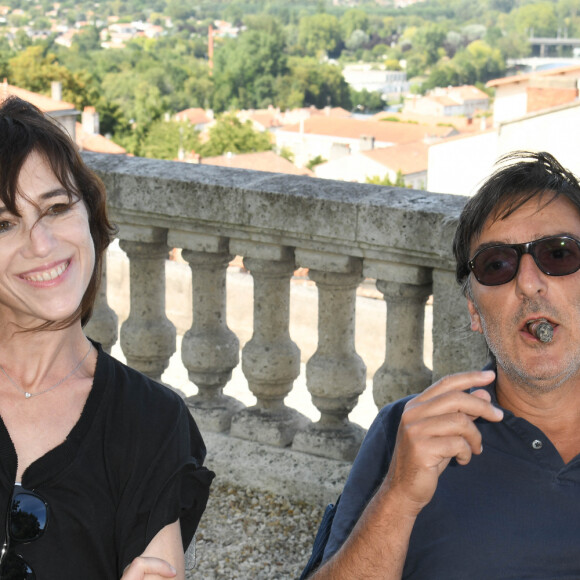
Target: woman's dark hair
25,129
522,175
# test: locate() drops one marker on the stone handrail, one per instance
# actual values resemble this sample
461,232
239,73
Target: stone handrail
342,232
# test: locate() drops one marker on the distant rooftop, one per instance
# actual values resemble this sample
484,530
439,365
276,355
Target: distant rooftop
263,161
45,104
570,70
382,131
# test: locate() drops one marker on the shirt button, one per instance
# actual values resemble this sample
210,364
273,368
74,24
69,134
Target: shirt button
537,444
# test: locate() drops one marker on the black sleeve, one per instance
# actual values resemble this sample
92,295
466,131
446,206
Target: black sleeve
166,482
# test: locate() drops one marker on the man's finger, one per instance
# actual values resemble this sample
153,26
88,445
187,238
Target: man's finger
452,402
458,382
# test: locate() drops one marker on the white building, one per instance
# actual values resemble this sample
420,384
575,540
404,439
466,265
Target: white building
410,160
371,78
518,95
460,164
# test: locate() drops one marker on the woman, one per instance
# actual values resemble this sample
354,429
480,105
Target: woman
101,471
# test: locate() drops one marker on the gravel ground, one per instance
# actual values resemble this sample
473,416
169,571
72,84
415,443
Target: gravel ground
249,535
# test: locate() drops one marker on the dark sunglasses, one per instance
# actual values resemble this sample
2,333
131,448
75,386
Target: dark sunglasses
26,522
554,256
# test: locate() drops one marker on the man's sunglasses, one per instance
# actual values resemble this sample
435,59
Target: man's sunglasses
554,256
26,522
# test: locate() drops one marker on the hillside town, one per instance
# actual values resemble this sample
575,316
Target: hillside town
445,141
442,138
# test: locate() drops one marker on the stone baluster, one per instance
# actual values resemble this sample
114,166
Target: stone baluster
455,347
104,323
335,374
209,350
405,292
147,336
270,360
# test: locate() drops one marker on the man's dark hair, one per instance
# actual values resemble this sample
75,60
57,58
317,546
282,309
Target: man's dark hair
522,175
24,129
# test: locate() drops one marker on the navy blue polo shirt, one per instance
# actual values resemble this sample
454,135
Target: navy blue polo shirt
512,512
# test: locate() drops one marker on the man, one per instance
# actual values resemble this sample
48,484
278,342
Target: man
478,477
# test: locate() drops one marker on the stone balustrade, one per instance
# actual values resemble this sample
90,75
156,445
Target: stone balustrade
343,233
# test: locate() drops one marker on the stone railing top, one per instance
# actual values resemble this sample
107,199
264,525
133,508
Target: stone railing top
360,220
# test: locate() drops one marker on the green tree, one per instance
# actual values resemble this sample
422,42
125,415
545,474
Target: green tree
229,134
428,41
399,180
6,54
514,44
539,18
149,104
353,19
33,70
87,40
164,139
111,119
568,8
318,160
21,40
41,23
357,40
367,101
392,64
179,11
319,33
479,62
313,83
246,69
198,88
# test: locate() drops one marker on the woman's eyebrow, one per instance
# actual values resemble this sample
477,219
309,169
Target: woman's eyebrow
57,192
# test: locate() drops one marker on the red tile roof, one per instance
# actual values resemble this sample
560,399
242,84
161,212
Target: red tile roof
571,70
45,104
195,116
382,131
265,118
467,93
408,158
96,143
264,161
331,112
462,124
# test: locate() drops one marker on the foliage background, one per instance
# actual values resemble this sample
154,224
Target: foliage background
286,55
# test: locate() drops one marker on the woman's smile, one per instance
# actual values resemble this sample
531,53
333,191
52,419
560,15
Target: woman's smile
46,274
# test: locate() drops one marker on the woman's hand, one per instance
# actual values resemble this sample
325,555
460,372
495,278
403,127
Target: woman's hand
141,567
163,557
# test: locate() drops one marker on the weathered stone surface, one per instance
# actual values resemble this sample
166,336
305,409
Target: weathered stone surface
104,323
282,471
403,371
399,236
147,336
354,219
210,350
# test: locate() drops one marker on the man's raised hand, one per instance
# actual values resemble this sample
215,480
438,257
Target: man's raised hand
435,427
